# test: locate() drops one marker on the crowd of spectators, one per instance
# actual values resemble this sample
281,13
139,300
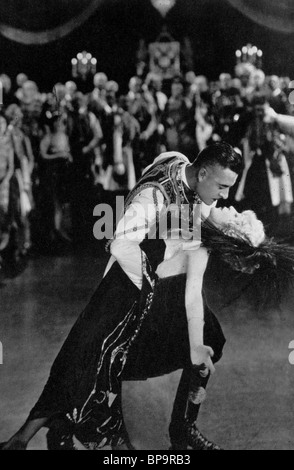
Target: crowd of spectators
64,150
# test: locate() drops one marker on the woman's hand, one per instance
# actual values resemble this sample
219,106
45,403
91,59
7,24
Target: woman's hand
203,355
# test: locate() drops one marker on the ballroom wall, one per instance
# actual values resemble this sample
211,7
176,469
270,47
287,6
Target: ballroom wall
215,27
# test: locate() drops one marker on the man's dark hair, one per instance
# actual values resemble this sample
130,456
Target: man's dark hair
222,154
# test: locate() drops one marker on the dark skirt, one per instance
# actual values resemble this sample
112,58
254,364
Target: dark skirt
122,334
162,346
57,182
83,390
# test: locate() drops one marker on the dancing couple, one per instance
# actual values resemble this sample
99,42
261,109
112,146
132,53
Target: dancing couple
155,309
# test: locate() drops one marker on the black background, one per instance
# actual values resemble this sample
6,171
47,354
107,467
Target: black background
112,34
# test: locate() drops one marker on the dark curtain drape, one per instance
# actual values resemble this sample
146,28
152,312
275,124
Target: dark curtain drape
43,21
274,14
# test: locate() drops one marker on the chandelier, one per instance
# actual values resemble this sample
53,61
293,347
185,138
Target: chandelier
163,6
83,65
250,54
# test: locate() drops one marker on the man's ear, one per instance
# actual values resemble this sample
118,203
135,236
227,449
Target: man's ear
201,174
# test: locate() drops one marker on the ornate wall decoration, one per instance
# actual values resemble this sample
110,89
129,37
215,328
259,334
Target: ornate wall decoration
165,58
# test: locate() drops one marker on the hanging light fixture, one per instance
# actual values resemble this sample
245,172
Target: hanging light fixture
251,55
163,6
83,65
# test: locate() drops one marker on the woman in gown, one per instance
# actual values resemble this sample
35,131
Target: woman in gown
169,325
56,162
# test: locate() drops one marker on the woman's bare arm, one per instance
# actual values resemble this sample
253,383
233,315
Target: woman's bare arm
173,266
10,169
44,147
196,266
30,154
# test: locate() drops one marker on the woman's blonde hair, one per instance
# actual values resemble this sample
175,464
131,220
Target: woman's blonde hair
248,228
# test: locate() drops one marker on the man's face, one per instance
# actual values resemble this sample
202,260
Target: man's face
21,79
245,80
259,111
177,90
30,90
274,83
157,84
225,82
100,81
258,79
214,183
135,85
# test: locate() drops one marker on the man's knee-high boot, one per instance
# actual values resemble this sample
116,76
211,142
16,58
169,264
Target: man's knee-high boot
183,430
177,428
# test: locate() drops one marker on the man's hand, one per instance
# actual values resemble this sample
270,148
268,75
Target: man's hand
202,355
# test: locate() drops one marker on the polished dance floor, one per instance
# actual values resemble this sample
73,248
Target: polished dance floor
250,402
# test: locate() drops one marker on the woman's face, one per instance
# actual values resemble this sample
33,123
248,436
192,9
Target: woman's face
204,110
30,90
225,216
243,225
17,118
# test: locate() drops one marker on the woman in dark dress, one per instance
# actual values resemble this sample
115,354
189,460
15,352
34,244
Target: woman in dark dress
56,164
127,334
